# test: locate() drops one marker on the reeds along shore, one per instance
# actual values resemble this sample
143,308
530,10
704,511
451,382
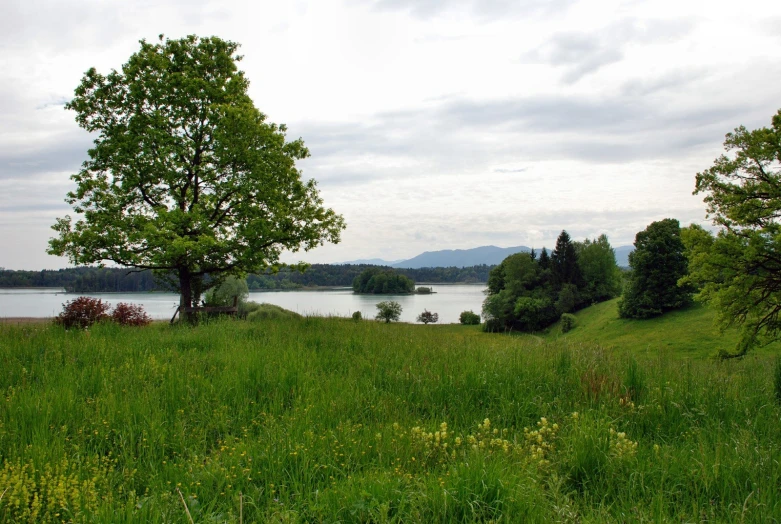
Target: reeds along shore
330,420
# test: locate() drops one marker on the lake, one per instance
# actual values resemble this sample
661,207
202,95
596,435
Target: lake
448,301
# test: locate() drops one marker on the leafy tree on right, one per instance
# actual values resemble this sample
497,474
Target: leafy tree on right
739,269
658,263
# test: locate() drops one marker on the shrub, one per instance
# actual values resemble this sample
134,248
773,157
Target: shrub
82,312
567,322
388,310
469,318
130,315
423,290
245,308
427,317
357,316
222,295
493,325
271,312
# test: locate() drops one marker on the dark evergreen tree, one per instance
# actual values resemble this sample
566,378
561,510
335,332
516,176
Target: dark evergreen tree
544,260
564,262
657,263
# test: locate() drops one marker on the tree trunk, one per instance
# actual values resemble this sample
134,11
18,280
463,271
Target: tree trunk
186,295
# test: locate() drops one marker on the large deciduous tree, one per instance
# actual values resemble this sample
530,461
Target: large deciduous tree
739,270
658,263
186,176
601,276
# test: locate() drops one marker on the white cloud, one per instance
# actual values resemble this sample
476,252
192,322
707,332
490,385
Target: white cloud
432,124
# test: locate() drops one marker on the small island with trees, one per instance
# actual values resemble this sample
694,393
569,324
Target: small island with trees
378,281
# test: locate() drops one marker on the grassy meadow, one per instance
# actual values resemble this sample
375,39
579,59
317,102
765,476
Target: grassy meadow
330,420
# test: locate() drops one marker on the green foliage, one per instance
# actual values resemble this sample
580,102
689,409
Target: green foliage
597,262
658,263
423,290
357,316
564,262
427,317
388,311
248,306
529,293
270,312
568,322
469,318
186,177
531,314
223,295
567,299
777,379
380,281
737,270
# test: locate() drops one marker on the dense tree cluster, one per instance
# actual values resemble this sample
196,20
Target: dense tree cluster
382,281
527,293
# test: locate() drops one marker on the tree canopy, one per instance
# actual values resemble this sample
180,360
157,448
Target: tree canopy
389,311
186,176
658,263
739,269
382,281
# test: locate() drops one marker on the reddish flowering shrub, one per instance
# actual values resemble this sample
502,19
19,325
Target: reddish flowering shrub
130,315
82,312
428,317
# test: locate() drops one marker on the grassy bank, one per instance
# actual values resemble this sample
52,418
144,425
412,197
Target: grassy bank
686,333
325,420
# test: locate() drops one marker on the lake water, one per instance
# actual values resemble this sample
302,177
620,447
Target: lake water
448,301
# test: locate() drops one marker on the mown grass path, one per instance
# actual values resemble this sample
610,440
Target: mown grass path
329,420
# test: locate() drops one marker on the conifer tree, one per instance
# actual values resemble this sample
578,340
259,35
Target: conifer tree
564,262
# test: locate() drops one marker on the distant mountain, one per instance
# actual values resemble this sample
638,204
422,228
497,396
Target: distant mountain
622,255
372,262
489,255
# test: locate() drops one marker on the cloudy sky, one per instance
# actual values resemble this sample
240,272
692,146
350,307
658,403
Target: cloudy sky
433,124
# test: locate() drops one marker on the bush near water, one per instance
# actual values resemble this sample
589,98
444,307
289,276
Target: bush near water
324,420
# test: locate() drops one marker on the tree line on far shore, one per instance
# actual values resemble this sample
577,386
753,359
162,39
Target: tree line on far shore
106,279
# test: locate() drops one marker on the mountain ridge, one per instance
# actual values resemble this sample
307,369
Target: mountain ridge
488,255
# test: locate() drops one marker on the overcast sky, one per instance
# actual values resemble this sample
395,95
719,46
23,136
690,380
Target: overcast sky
433,124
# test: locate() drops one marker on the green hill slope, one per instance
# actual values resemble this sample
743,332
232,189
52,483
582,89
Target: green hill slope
689,332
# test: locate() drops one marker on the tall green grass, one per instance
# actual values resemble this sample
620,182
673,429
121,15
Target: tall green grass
330,420
690,332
